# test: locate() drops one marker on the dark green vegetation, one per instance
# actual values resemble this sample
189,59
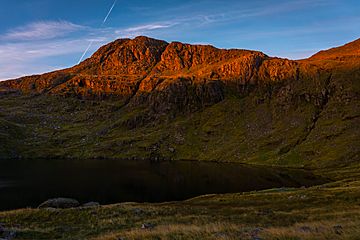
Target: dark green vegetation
238,129
250,109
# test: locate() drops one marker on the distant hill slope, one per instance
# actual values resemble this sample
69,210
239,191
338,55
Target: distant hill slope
144,97
350,49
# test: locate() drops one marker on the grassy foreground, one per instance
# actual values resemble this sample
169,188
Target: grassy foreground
330,211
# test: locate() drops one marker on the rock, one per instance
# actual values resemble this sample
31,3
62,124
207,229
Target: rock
254,233
257,230
303,197
91,204
338,229
9,234
147,226
60,203
51,209
138,211
6,233
305,229
220,235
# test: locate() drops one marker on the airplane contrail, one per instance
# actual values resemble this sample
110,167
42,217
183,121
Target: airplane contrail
92,41
87,49
112,7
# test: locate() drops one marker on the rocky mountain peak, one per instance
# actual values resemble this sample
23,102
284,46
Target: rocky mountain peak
124,56
134,69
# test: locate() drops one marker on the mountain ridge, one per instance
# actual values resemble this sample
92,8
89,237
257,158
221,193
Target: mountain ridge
144,97
348,49
144,57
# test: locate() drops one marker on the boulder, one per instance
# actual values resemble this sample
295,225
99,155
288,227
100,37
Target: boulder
8,235
138,211
91,204
60,203
338,229
147,226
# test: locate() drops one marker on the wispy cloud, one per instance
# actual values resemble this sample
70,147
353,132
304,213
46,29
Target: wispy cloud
23,58
336,25
144,29
24,50
42,30
235,14
197,12
31,50
148,27
265,9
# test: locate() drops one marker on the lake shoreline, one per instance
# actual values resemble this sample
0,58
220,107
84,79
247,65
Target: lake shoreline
36,180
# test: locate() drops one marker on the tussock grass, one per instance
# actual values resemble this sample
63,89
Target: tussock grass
330,211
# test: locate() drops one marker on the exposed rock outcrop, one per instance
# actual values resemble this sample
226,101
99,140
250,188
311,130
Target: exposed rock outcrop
60,203
153,72
206,103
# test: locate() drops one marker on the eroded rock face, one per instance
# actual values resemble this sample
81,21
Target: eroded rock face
182,77
144,62
37,83
124,56
206,61
181,95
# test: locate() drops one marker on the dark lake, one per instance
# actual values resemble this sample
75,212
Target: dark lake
27,183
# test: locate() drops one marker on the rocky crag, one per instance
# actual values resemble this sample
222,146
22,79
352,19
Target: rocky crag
144,97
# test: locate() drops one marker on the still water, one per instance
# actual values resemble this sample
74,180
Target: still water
27,183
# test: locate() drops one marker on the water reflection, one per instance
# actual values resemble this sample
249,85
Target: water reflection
26,183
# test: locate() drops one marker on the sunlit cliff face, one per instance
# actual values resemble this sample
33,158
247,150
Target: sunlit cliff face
129,68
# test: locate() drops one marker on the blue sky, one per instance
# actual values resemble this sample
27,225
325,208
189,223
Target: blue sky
37,36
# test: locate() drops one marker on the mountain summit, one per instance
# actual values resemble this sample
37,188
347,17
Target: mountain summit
144,97
127,67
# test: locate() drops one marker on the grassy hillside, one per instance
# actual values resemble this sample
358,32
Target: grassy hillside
257,128
181,101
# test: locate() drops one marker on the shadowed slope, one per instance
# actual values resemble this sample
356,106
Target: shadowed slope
182,101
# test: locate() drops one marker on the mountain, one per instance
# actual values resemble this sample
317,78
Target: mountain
351,49
145,98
